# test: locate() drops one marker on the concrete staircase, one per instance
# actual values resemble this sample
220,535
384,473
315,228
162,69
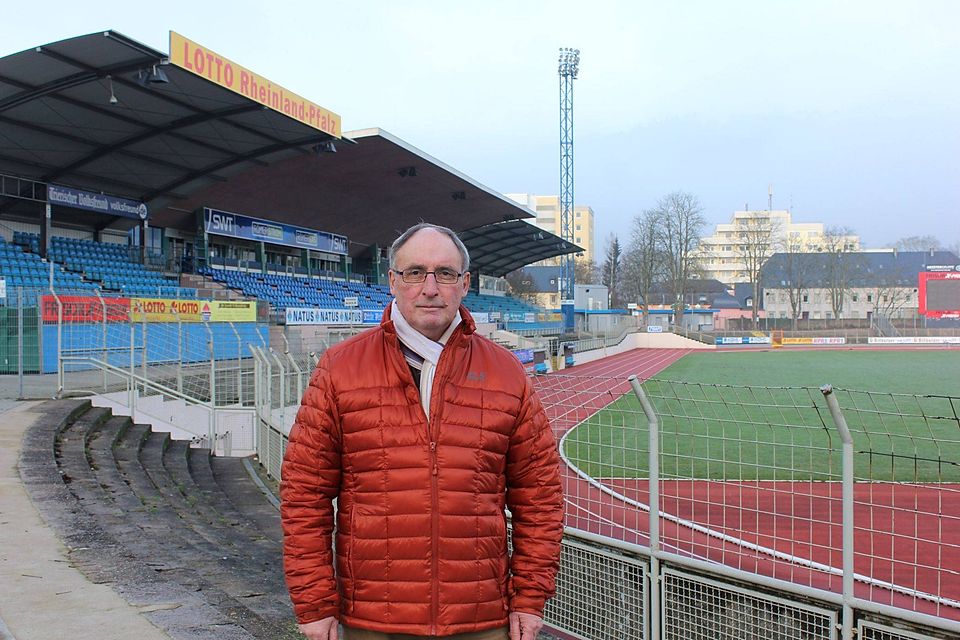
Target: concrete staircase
193,540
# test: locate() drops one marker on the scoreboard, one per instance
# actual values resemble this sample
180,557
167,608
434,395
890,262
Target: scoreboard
939,294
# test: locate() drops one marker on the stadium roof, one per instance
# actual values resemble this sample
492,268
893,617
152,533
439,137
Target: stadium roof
81,113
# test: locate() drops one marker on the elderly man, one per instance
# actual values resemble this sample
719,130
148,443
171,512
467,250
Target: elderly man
424,432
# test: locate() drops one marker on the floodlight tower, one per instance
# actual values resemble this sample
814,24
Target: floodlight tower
568,68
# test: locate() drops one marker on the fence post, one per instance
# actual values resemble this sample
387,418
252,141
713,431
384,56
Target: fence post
239,364
283,389
20,340
103,333
59,336
131,386
653,444
212,427
847,479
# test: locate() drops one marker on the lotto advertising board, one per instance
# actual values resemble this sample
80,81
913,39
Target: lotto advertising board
168,310
86,309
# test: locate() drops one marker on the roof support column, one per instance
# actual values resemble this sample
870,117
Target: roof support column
143,241
45,230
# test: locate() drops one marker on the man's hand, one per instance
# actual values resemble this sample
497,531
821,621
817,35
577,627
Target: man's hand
326,629
524,626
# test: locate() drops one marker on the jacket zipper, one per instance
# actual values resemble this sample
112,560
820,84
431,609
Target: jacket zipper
433,433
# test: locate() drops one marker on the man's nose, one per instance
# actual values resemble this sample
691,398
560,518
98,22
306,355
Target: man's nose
430,287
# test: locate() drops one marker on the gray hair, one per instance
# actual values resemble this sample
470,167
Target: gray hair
406,235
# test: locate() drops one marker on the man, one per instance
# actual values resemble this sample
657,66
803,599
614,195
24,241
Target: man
424,432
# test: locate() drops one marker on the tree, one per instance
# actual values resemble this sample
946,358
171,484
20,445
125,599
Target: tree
642,265
522,286
917,243
680,221
584,271
756,244
838,266
610,272
797,267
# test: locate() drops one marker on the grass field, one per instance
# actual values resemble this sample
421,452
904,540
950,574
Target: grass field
759,415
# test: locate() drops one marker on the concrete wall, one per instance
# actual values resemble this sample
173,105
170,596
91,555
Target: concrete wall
641,341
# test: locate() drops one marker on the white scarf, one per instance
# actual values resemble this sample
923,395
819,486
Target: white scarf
420,345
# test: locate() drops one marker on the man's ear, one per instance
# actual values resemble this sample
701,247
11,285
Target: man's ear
391,277
466,282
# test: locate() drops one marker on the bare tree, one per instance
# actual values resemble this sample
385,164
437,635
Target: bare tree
522,286
610,271
642,265
839,266
584,271
757,242
918,243
680,221
797,267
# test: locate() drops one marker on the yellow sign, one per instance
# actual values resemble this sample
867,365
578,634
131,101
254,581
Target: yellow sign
164,310
167,310
228,74
231,311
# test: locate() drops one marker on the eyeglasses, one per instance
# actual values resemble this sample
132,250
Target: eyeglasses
416,276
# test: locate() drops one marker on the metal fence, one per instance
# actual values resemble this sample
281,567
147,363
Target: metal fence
693,511
705,511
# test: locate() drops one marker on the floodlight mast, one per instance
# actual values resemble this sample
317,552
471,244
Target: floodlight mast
569,65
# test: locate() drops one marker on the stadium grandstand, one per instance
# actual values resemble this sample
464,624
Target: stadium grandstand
179,253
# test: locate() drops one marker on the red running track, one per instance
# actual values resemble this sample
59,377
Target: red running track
725,521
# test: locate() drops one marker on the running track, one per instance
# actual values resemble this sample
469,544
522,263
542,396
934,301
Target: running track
795,519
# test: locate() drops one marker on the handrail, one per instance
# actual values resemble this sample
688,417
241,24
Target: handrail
133,377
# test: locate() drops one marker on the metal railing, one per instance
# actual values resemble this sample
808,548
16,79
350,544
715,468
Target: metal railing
780,526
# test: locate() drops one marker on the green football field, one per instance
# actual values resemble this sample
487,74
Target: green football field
759,415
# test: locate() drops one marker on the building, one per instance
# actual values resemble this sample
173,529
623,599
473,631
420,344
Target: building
549,219
868,284
721,255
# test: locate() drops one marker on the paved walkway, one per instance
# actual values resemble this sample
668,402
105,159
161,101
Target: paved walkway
41,595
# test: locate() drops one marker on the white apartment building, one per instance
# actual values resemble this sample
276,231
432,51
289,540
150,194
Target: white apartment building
721,254
549,219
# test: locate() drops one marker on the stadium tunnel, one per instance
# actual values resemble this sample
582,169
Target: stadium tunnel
105,115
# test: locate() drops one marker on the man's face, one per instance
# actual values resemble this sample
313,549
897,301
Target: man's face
429,306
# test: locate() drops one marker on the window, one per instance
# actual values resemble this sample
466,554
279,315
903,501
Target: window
578,213
578,227
869,297
577,239
855,297
805,297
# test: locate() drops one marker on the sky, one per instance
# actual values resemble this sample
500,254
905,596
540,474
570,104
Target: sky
849,111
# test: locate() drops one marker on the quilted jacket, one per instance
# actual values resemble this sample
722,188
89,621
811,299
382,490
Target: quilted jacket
421,534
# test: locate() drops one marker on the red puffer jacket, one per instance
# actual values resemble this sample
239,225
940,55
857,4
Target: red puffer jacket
421,542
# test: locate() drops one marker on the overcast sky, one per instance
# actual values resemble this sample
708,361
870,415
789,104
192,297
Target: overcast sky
851,110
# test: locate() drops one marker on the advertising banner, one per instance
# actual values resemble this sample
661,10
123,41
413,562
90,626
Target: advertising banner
524,355
654,328
85,309
743,340
203,62
837,340
3,288
481,317
916,340
165,310
229,310
299,315
529,318
235,225
98,202
372,316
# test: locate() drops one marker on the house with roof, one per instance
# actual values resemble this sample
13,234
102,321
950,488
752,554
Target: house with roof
848,285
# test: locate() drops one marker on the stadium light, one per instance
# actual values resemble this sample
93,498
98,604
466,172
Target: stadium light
147,77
